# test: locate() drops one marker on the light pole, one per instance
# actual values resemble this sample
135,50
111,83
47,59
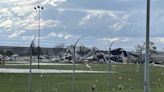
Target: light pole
30,71
146,67
39,8
74,61
110,68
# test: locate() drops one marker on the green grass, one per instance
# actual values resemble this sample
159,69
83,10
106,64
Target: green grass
129,76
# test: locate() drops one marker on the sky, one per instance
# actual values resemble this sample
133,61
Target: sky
95,22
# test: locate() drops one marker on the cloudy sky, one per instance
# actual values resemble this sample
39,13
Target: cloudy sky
94,22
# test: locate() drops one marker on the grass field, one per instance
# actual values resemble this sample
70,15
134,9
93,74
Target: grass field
129,77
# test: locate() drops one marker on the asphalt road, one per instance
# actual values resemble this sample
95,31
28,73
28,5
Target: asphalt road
13,70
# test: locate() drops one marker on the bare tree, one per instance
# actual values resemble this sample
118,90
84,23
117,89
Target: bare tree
60,45
59,49
140,48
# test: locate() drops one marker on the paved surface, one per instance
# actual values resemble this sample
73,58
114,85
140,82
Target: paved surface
158,65
39,64
13,70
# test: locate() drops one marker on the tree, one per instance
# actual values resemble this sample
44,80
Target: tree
82,50
59,49
2,52
18,50
60,45
153,48
6,52
9,53
140,48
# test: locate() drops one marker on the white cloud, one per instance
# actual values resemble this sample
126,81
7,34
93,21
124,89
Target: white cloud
53,2
116,20
6,24
28,37
16,12
119,25
16,34
60,35
115,39
68,37
33,24
29,22
16,15
4,12
91,14
32,2
158,39
101,13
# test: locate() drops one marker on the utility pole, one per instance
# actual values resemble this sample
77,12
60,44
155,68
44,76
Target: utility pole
146,66
110,69
39,8
74,61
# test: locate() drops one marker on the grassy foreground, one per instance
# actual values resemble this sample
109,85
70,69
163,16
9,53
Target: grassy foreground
128,78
